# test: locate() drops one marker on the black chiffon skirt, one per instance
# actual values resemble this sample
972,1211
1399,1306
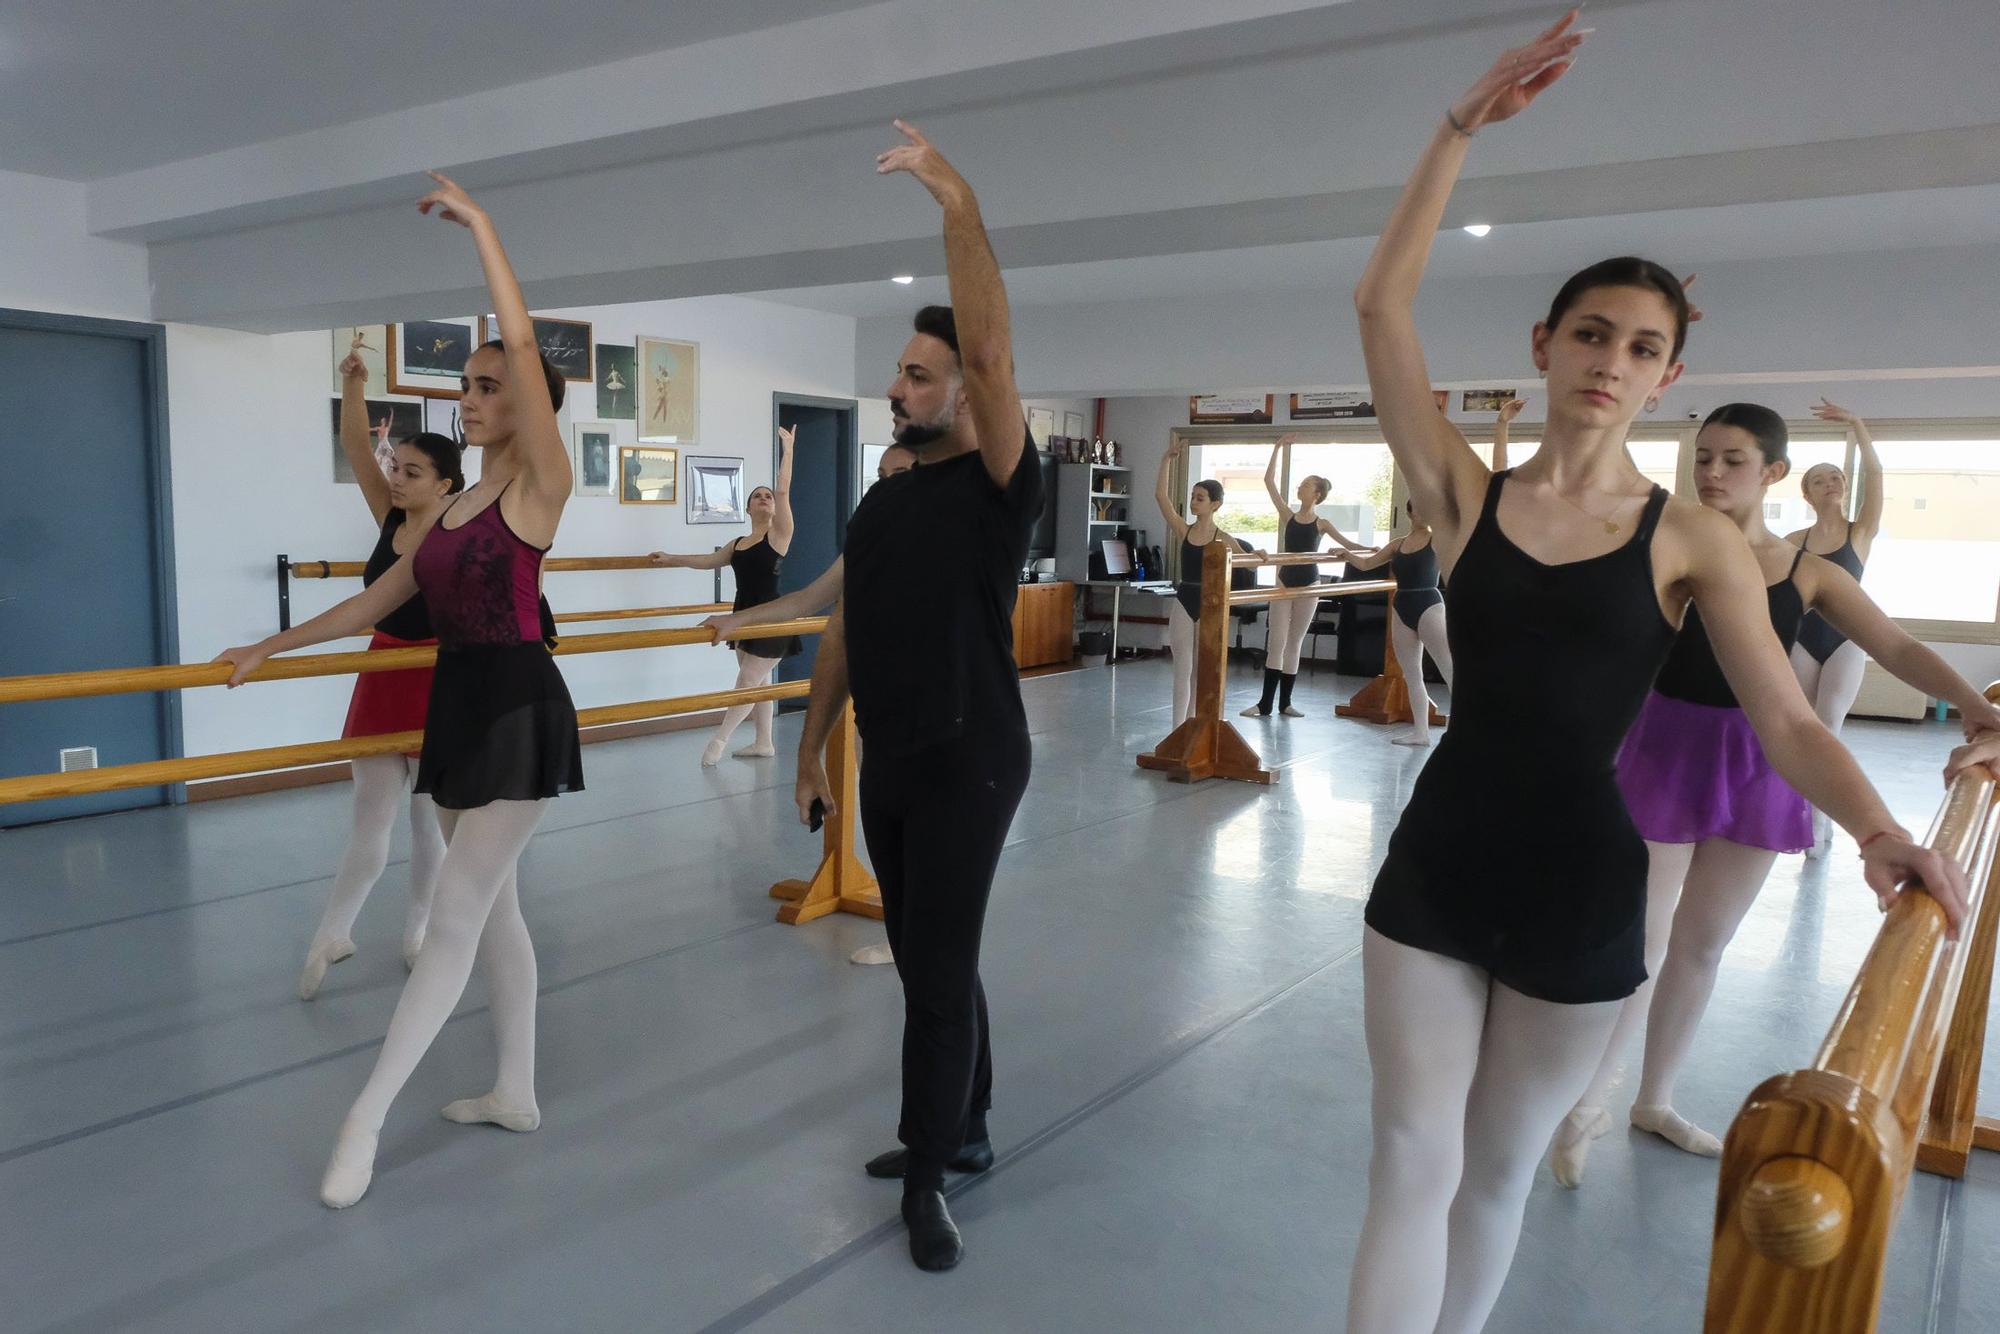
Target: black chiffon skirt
501,727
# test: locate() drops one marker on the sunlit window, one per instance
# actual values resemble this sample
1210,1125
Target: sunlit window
1938,555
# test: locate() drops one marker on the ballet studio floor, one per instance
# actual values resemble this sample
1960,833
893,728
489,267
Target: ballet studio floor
1182,1090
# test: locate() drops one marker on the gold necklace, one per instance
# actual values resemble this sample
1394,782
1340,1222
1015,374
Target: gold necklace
1610,525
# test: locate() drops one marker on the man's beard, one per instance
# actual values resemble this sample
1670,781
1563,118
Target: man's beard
917,436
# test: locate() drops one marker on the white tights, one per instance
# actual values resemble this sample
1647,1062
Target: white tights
1830,688
477,912
380,783
1410,646
751,670
1180,642
1285,638
1696,897
1470,1078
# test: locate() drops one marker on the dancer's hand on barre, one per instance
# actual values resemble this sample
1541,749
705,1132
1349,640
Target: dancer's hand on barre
1519,77
725,623
247,659
1982,749
1979,717
812,786
451,202
1892,861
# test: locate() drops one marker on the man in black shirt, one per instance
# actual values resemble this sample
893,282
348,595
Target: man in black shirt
923,638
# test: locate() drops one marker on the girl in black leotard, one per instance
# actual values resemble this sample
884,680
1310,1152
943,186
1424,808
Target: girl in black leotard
405,505
1507,918
1299,530
756,561
1195,532
1417,620
1828,665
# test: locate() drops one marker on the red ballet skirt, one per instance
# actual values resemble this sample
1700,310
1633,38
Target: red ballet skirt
386,702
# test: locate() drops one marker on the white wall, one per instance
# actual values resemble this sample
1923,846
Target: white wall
253,477
49,262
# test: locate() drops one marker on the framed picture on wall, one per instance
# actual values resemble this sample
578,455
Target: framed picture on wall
669,386
593,449
427,357
566,343
648,476
371,342
441,417
1331,405
1073,425
715,490
1041,425
388,424
1220,409
616,398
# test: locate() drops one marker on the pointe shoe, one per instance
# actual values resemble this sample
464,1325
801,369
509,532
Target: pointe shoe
1572,1146
872,954
413,945
1411,739
711,754
934,1241
318,960
973,1158
1291,712
488,1111
1255,711
350,1170
1676,1130
756,752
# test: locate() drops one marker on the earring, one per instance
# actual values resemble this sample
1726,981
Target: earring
1542,375
1653,404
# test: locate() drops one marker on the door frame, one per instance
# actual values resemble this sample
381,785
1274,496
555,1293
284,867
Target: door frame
849,463
152,339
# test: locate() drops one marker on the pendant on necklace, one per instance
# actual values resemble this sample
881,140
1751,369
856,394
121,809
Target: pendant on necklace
1610,527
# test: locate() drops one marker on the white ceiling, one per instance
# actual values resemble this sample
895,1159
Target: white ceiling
267,154
92,88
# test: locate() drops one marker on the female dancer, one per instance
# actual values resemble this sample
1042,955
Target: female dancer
501,738
1500,937
1830,665
1417,620
405,505
756,561
1290,619
1185,610
1704,797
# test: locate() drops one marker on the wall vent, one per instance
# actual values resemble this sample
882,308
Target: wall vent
78,757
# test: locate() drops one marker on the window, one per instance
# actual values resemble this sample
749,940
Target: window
1937,557
1359,503
871,459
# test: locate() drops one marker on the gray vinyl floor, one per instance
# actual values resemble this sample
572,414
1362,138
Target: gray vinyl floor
1182,1088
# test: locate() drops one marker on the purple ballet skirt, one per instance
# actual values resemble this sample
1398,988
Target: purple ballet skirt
1694,771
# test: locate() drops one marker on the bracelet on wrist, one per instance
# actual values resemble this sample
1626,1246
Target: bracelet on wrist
1879,833
1451,117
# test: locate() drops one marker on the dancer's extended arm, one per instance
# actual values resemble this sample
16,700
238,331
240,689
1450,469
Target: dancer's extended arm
713,560
1838,597
781,494
1282,449
823,706
1868,519
808,601
1170,512
397,586
1508,411
354,446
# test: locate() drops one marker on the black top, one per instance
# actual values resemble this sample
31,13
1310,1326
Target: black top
1815,635
1539,877
1691,672
1416,571
1188,591
756,568
1299,537
934,559
412,620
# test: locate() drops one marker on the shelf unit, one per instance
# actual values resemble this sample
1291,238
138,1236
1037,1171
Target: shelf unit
1080,488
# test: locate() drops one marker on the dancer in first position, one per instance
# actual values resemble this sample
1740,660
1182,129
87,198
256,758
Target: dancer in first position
404,504
501,737
1713,813
1195,533
1828,663
1299,531
1500,937
756,561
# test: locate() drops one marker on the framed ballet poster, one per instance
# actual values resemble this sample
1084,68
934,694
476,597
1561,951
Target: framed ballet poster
1224,410
715,490
593,449
616,400
566,343
1041,425
648,476
368,341
427,357
388,425
669,386
1330,405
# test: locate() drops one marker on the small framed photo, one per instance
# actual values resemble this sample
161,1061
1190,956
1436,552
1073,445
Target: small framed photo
369,341
648,476
1486,400
1073,425
389,424
1223,409
669,387
426,357
566,343
616,400
1041,425
593,449
441,418
715,490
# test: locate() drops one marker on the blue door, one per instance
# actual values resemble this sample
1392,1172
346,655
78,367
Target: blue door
824,459
85,541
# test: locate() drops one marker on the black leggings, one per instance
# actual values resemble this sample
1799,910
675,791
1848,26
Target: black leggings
935,822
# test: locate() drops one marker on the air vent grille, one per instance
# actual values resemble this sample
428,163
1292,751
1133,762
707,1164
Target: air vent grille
78,757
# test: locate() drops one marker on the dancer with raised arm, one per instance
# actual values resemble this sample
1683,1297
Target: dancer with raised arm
1195,532
925,643
1828,663
1500,938
501,738
1714,814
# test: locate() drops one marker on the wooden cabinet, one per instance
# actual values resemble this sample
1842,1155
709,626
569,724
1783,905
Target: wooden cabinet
1044,624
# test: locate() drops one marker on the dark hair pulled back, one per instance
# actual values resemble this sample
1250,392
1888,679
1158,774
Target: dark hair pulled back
445,456
1766,427
558,387
1626,271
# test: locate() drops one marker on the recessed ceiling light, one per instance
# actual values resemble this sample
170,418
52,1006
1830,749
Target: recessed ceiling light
1478,228
903,278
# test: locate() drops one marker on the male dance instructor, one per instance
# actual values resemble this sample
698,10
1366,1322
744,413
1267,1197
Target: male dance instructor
922,636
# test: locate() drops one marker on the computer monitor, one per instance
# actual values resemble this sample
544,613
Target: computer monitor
1117,559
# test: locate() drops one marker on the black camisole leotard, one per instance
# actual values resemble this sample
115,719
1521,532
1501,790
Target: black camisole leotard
756,568
1815,635
1298,537
1416,582
1516,853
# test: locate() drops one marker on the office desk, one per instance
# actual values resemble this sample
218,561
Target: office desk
1163,589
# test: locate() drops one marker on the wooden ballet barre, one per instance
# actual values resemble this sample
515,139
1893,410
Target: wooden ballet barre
1245,559
187,676
1816,1164
1246,597
1207,745
644,613
352,569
